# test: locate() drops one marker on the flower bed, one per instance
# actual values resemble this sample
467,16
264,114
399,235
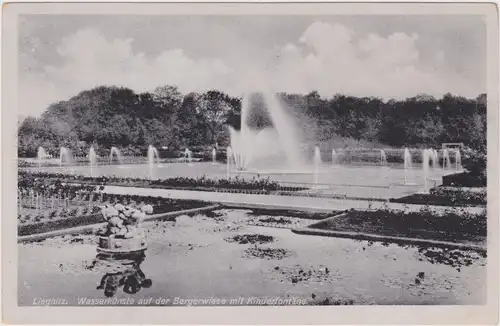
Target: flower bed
266,253
425,224
298,274
230,183
35,216
460,194
66,223
51,184
160,205
76,200
46,220
446,196
200,184
250,239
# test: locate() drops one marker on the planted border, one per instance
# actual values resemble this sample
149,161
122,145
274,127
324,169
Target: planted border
462,227
64,223
160,206
88,228
265,185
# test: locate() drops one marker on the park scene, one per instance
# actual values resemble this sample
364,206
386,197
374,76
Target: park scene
269,197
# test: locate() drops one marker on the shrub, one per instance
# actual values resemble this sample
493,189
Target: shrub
474,161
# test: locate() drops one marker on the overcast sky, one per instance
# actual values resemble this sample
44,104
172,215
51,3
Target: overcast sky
383,56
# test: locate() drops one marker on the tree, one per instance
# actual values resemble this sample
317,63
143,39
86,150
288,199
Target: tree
117,116
214,107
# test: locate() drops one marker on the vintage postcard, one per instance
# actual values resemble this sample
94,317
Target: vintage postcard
250,163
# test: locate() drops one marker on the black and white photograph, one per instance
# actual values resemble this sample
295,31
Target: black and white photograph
250,160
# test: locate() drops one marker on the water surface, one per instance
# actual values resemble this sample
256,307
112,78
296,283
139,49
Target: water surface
190,259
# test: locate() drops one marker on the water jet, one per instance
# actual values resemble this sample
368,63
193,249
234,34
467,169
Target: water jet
119,157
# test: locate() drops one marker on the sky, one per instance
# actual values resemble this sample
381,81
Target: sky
383,56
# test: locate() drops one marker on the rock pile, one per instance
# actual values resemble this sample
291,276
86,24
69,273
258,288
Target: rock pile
122,220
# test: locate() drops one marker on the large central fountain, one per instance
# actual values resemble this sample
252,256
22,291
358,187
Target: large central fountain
269,148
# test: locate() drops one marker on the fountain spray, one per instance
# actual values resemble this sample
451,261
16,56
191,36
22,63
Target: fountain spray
229,154
92,160
119,157
408,166
152,154
317,163
41,155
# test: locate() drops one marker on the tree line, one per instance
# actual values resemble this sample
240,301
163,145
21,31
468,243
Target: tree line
116,116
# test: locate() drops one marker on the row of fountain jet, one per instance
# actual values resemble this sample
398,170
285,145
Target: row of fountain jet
65,156
153,157
430,157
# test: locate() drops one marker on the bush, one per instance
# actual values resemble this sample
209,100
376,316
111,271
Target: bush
474,161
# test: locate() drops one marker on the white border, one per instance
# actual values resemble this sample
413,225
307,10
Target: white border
486,314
